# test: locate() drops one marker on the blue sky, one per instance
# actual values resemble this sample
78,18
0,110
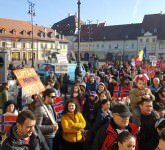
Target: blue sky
114,12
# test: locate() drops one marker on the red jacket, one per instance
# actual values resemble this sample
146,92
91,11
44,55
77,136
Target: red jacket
112,135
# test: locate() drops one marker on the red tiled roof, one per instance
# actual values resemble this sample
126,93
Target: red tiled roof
20,26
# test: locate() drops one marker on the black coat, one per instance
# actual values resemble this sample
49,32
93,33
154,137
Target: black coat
13,142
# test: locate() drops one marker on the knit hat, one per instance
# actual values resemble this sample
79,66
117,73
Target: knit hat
160,123
93,93
83,84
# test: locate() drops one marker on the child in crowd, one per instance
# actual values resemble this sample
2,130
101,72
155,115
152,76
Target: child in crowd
140,91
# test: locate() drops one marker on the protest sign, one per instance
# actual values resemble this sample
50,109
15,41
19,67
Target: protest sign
29,81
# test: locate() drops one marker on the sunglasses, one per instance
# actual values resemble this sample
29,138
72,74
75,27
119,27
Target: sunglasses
52,96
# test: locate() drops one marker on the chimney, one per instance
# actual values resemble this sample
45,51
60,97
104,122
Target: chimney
69,14
45,30
55,33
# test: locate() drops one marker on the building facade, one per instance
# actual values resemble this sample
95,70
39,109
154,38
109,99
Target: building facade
16,38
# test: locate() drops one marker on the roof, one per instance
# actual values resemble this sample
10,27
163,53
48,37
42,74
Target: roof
67,26
10,25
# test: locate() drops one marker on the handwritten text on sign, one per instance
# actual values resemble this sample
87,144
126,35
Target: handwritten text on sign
29,81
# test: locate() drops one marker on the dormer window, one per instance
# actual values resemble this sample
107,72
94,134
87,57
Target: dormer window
30,33
14,32
3,31
52,35
42,34
24,33
142,31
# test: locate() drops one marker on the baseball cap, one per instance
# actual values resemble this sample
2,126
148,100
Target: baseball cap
121,109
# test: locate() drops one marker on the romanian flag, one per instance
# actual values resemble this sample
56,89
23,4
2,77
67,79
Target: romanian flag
140,56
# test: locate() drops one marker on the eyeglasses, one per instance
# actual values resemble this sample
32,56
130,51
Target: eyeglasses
52,96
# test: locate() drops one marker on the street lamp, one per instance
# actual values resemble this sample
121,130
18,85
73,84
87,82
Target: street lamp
78,55
32,13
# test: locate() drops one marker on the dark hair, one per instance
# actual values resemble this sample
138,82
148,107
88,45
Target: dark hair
104,101
122,137
77,108
144,100
162,135
47,92
24,115
9,103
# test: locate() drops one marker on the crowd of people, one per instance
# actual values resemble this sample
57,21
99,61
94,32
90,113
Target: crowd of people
115,107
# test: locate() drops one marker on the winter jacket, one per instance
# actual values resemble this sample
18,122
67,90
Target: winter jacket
147,137
72,124
13,142
107,135
135,95
91,86
44,122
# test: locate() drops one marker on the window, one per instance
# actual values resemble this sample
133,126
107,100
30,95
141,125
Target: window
24,33
42,46
110,46
23,45
14,44
102,45
147,40
141,40
3,44
3,31
14,32
30,33
51,46
42,34
97,45
153,40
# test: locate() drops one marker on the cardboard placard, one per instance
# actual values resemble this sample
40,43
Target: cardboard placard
29,81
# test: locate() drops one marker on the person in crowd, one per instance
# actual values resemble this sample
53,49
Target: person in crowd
35,103
83,88
50,84
155,86
160,108
91,108
92,85
111,84
64,83
73,124
4,95
102,88
43,120
124,141
25,134
140,91
57,89
160,125
79,75
78,96
103,115
161,95
98,79
87,76
51,76
161,144
10,108
107,134
102,96
146,117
